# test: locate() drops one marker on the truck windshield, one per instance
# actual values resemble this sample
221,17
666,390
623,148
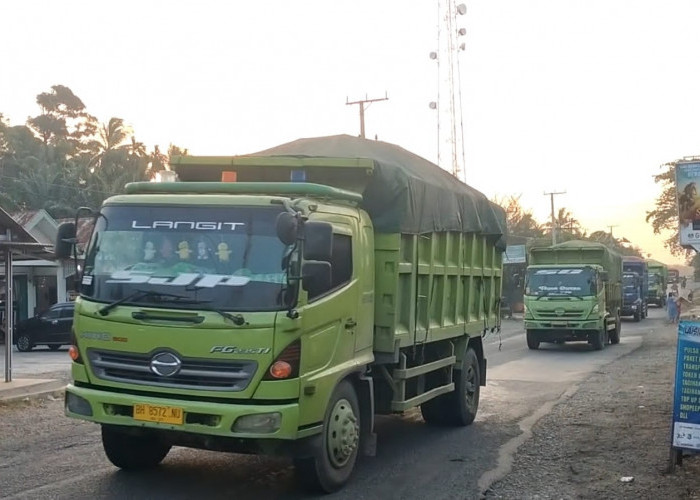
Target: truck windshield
629,282
654,279
226,258
575,282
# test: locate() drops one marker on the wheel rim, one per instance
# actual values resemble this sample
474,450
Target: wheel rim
343,433
23,343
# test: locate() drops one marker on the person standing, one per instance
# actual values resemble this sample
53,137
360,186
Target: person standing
671,307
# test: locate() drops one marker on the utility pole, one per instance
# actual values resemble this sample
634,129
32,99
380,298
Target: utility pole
362,103
610,227
554,226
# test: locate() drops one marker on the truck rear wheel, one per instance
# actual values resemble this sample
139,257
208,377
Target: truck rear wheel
459,407
637,316
334,460
133,452
532,342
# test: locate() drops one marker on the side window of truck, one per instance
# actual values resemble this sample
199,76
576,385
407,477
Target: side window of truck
341,264
341,261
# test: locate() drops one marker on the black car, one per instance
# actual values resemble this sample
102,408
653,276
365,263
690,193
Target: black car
51,328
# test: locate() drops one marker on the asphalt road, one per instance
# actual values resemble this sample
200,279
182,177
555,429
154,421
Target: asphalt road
50,456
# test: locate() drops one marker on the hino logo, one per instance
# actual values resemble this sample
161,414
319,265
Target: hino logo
165,364
232,349
181,224
184,279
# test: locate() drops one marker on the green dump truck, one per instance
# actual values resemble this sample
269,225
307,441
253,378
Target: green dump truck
335,279
573,292
658,281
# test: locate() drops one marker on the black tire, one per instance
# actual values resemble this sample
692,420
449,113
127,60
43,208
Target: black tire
637,317
457,408
55,347
24,343
334,459
133,452
598,339
614,336
532,342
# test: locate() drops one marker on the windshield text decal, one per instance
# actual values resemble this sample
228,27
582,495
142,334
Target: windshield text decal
200,226
183,279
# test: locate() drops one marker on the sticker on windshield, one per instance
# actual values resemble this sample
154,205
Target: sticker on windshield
183,279
87,279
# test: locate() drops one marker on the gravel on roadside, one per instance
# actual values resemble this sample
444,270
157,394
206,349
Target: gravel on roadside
611,438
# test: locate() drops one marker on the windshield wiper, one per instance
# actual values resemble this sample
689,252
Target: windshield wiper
134,295
237,319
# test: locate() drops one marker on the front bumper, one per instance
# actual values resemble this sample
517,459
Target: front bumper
200,417
566,330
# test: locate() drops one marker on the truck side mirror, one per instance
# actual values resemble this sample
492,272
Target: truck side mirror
65,240
287,227
318,241
316,277
604,276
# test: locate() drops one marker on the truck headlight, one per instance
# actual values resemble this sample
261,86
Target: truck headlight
595,309
634,307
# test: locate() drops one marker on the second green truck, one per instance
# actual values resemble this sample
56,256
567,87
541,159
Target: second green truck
573,292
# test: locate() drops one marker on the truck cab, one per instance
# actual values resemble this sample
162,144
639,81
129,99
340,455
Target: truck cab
632,296
570,295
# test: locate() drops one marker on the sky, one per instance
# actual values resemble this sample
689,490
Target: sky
587,97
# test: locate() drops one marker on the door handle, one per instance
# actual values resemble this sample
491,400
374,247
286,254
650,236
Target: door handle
351,323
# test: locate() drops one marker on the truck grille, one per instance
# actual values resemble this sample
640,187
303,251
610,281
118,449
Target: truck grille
194,373
567,314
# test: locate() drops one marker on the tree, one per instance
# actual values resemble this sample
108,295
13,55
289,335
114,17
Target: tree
520,222
567,226
63,119
664,217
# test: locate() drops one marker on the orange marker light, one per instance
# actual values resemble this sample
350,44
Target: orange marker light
229,176
73,353
280,369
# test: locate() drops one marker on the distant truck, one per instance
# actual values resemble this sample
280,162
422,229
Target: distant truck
635,284
325,281
573,292
673,276
658,281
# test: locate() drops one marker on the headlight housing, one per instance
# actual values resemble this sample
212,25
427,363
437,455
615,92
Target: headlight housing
595,309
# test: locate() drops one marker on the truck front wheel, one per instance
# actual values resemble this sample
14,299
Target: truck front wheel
133,452
334,460
598,339
532,342
459,407
615,335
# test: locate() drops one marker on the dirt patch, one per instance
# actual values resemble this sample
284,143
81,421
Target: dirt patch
611,438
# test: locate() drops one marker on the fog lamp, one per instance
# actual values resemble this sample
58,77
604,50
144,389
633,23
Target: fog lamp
261,423
78,405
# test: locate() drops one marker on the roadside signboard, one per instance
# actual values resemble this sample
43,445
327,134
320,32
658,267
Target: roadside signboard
688,200
686,398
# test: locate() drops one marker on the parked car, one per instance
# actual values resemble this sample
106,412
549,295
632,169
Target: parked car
51,328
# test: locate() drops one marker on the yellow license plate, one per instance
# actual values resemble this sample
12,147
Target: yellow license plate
158,413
